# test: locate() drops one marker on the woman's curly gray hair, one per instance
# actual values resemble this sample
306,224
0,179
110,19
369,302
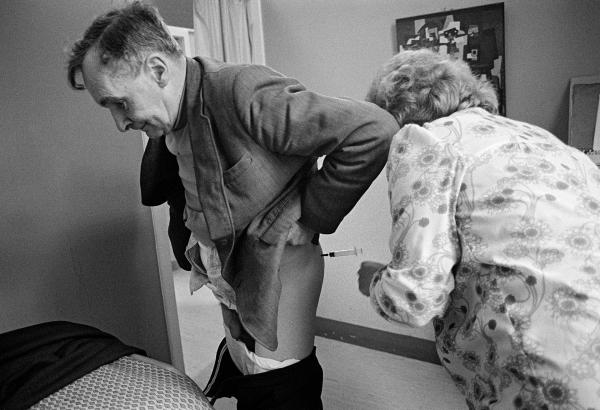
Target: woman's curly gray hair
418,86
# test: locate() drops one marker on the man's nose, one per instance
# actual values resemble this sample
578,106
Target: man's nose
123,123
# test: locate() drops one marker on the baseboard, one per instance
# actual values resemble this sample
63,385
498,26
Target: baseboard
402,345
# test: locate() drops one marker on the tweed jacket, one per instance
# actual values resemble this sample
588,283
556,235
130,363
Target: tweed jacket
255,136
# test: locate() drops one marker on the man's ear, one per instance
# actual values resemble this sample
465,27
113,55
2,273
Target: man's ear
156,66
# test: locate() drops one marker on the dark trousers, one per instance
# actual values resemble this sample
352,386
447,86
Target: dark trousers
295,387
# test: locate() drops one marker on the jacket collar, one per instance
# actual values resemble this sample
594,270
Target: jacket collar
193,80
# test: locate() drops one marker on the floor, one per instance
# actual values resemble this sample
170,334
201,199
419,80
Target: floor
201,331
355,378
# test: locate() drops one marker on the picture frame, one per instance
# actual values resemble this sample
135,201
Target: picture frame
474,34
584,113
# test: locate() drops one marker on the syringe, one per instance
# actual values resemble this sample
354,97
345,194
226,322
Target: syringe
346,252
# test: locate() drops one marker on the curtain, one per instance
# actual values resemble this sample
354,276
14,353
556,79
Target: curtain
229,30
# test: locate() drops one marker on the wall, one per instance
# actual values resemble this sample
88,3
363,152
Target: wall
76,244
335,47
176,12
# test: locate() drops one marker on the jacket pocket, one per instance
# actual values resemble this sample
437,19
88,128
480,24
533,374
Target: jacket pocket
231,175
249,189
275,224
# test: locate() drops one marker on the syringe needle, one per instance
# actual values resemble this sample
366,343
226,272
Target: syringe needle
345,252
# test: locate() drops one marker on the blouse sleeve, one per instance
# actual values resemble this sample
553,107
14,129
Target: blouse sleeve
424,176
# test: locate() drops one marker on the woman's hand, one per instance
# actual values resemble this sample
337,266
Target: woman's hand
365,275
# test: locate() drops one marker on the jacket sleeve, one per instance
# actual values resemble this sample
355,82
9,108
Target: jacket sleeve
353,136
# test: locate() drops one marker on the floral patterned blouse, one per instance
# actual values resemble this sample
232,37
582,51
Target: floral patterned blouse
496,237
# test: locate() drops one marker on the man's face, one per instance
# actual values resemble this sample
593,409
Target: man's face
135,101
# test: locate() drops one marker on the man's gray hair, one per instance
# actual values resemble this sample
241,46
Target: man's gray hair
418,86
125,34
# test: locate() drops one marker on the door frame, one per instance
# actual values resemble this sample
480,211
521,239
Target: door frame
160,224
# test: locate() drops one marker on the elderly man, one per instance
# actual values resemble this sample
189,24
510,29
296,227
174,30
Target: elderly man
246,140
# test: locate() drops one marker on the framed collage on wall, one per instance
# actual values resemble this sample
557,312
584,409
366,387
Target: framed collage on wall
475,35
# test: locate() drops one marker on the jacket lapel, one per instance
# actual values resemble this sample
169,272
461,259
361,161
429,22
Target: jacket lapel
207,166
